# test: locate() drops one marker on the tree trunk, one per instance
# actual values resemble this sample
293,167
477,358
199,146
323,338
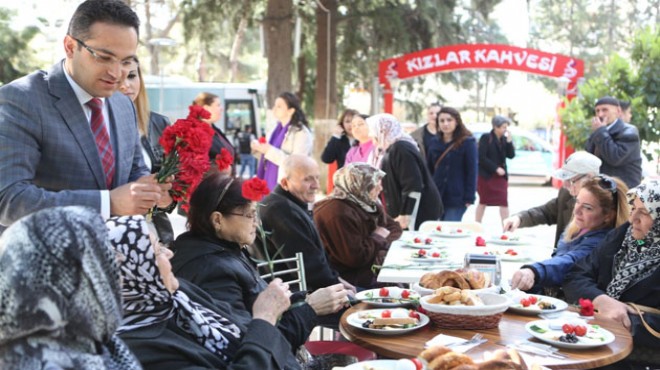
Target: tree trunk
325,92
236,47
278,28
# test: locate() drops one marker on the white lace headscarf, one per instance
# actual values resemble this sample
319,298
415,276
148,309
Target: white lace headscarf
60,300
386,129
147,301
638,259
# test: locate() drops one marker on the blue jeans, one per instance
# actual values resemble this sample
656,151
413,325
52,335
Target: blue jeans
248,160
454,214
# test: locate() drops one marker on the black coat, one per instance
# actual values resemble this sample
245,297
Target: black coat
619,148
224,271
493,153
336,150
589,278
164,346
406,173
293,230
220,141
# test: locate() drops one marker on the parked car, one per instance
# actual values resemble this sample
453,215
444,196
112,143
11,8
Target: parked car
534,155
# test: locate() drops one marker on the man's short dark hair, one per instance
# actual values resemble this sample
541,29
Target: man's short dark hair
107,11
624,104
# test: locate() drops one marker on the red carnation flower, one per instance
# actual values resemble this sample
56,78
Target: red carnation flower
198,112
262,140
586,307
254,189
224,160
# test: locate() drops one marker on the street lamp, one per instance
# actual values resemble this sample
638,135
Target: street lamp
157,44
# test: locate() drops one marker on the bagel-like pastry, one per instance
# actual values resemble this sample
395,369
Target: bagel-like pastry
451,278
449,361
499,365
428,281
452,297
468,298
504,359
433,352
474,277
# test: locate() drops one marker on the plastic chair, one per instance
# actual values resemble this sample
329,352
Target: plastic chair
428,226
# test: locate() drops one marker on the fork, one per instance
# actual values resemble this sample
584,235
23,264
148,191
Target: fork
475,339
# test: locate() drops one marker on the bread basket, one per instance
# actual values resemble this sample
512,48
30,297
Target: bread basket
426,291
467,317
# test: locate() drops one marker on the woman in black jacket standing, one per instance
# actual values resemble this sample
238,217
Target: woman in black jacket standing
341,140
409,194
493,179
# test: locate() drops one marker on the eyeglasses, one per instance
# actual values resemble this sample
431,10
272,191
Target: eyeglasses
108,60
606,183
251,216
575,180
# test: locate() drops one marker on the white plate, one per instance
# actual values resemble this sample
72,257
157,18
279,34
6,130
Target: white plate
355,321
596,335
434,244
394,293
442,259
498,240
520,256
535,309
451,233
376,364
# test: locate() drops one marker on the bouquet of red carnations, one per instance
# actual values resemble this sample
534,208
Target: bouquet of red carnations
186,145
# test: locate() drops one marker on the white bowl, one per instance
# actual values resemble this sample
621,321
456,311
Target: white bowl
493,304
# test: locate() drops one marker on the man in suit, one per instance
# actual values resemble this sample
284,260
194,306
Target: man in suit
66,136
615,142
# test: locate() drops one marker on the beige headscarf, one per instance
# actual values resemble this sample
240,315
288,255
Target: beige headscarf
354,182
386,129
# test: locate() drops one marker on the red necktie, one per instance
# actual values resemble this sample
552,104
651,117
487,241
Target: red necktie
102,140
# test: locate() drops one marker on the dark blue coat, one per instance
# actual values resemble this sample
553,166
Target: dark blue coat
456,175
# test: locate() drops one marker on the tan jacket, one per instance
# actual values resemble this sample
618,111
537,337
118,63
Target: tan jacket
296,141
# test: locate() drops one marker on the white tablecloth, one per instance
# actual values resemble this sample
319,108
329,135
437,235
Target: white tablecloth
456,248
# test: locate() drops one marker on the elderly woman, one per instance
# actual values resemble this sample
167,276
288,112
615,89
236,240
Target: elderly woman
213,255
624,268
354,229
410,196
59,294
599,207
172,324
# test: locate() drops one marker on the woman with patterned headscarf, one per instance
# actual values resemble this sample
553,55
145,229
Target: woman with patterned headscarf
624,268
355,230
409,194
60,300
172,324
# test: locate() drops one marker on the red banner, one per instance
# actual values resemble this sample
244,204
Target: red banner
480,56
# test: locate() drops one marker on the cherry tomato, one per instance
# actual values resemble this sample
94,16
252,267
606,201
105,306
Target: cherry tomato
421,252
513,253
417,240
417,362
580,330
504,237
386,314
439,228
525,302
414,314
532,299
459,230
405,294
428,241
384,292
567,328
435,254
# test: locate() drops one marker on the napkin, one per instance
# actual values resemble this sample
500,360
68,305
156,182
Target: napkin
454,342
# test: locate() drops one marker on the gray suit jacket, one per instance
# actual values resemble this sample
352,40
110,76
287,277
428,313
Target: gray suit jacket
48,155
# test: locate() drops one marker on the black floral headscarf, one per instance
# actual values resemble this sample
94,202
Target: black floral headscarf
638,259
60,299
147,301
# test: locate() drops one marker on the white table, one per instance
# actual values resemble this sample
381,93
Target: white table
456,248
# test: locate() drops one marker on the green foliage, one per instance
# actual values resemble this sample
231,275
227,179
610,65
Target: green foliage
638,83
15,55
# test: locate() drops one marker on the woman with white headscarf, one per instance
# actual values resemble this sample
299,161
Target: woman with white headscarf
624,268
355,230
60,300
410,196
172,324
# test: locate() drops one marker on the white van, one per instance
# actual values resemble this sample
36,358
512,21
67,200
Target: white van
242,103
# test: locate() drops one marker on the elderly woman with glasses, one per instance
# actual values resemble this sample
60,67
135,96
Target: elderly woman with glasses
355,230
171,324
214,255
625,268
600,206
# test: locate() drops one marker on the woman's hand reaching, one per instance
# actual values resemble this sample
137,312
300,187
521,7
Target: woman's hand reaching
272,302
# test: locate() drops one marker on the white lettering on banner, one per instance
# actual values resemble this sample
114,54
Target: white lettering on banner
483,56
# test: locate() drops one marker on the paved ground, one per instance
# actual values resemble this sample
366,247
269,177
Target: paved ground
521,196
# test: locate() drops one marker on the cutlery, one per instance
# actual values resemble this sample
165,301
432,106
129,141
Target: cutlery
534,348
477,338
